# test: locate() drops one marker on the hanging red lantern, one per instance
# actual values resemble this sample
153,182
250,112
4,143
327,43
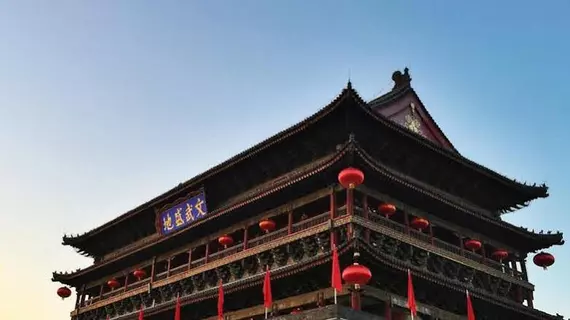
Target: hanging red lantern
139,274
473,244
543,259
350,177
63,292
387,209
113,284
500,254
419,223
356,274
267,225
226,240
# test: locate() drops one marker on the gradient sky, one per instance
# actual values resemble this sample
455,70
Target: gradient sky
106,104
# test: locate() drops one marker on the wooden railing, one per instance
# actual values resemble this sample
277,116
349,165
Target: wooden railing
391,224
233,250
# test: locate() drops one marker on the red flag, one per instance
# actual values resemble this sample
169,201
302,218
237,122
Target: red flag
141,313
177,310
336,281
470,312
267,297
411,297
221,301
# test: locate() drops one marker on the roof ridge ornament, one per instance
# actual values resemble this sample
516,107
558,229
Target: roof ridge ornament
400,79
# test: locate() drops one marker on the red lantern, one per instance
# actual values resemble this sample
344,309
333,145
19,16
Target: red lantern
387,209
225,241
543,260
63,292
350,177
139,274
419,223
500,254
267,225
356,274
473,245
113,284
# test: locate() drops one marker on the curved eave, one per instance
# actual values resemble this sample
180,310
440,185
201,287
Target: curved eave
539,241
347,93
257,193
528,192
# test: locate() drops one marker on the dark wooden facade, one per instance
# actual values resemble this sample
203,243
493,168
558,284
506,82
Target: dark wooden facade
292,179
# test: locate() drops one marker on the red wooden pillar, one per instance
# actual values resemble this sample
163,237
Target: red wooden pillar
332,215
245,237
152,270
355,299
366,212
190,259
388,309
207,252
290,222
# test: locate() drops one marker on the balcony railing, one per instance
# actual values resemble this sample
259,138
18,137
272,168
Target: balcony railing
391,224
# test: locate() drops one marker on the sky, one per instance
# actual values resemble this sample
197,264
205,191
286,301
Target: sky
107,104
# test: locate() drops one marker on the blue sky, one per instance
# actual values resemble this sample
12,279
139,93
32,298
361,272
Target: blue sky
106,104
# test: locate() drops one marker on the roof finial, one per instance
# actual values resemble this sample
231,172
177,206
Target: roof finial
401,79
349,84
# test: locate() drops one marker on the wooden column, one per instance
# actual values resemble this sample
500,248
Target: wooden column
355,299
245,237
207,252
388,309
168,267
431,234
332,208
523,267
78,297
82,300
190,259
366,212
290,222
126,282
484,260
461,244
407,222
152,269
530,299
349,209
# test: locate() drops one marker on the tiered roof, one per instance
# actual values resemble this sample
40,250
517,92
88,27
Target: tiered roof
386,145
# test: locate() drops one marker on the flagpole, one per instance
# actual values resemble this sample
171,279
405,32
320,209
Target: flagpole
335,296
266,312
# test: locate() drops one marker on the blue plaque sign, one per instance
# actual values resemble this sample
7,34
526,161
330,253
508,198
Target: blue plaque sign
183,214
